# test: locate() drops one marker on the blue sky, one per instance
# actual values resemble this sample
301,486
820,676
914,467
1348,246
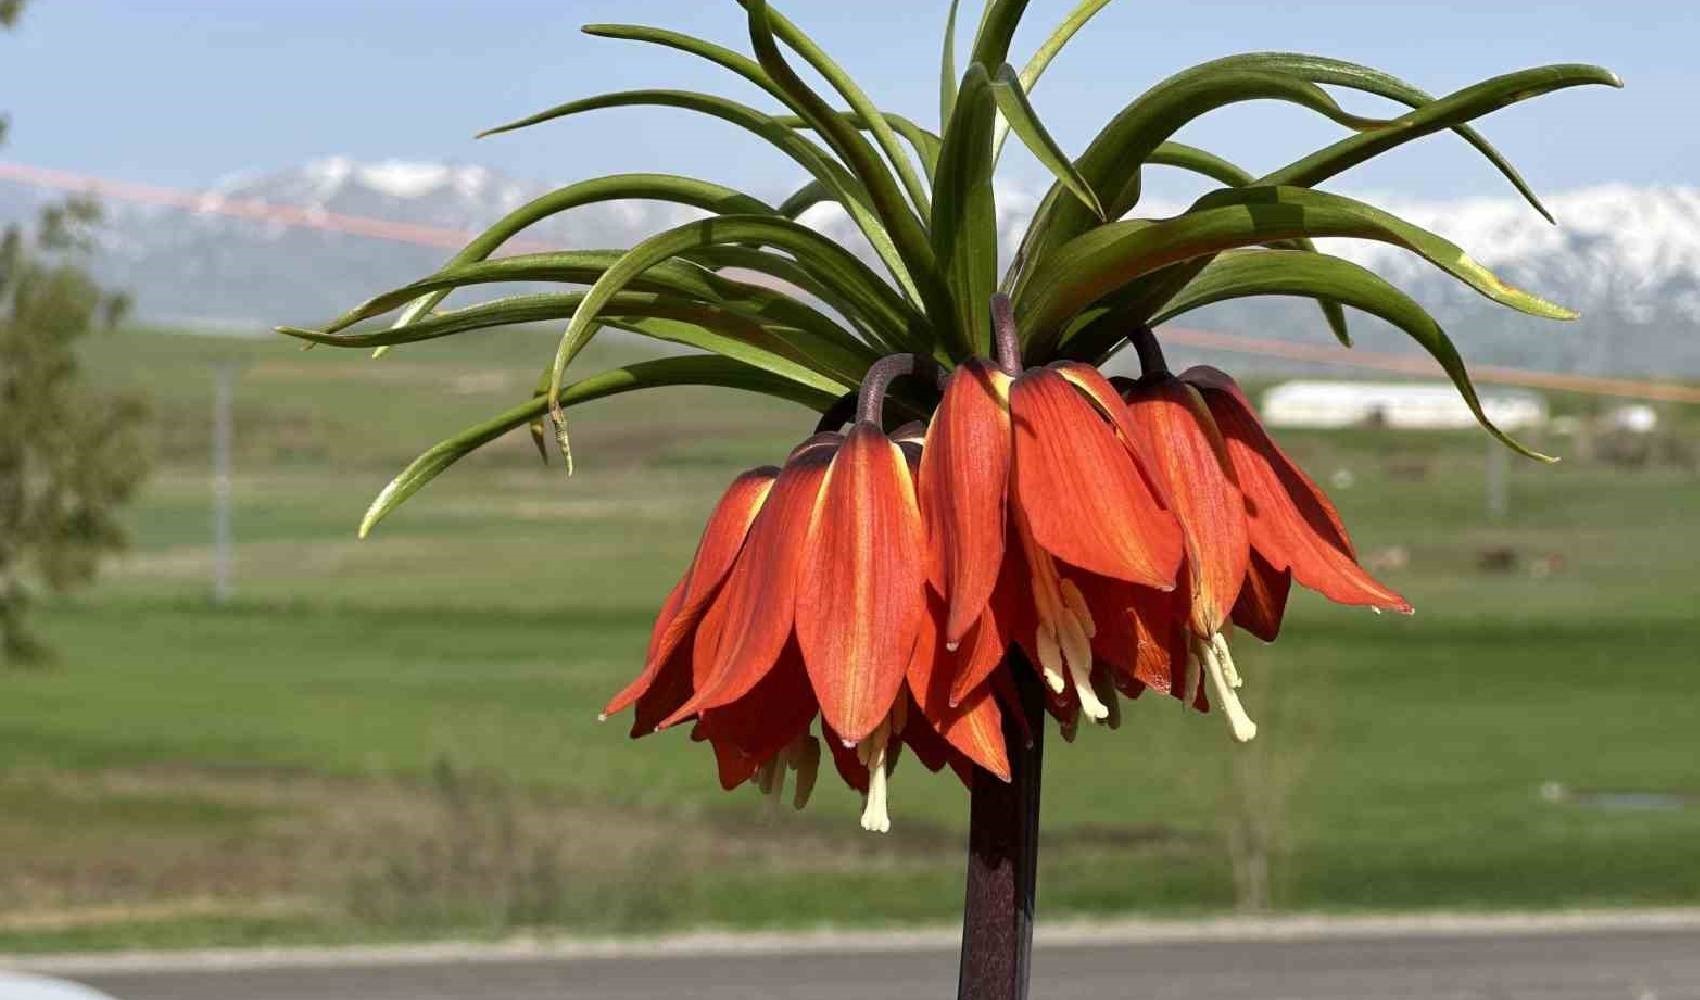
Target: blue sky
181,92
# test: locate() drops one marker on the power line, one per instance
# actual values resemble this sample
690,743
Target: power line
449,238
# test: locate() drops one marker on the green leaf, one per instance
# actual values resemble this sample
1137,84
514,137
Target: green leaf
1243,274
1092,266
906,231
824,258
997,29
1321,69
965,224
726,330
947,67
709,197
846,189
788,271
1447,112
1012,102
804,198
1210,165
705,370
1042,56
580,267
793,36
1201,162
1111,164
925,144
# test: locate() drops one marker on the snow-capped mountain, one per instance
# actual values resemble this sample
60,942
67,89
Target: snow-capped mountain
212,269
1627,258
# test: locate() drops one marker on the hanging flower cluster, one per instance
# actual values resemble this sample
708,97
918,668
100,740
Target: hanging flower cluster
1108,530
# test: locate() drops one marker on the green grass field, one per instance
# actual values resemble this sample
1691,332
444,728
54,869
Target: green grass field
398,737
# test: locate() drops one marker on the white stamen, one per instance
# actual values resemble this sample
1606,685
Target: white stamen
1075,601
875,818
1219,643
1243,728
1050,657
871,752
1095,710
951,647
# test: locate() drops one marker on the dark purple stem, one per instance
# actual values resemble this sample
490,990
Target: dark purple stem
1150,352
838,414
870,402
1003,856
1005,336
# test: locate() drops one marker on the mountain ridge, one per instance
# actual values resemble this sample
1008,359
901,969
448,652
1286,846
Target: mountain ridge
1627,258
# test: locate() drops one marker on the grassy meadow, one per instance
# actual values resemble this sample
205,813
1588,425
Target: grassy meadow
398,737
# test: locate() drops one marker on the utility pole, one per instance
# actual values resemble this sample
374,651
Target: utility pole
223,432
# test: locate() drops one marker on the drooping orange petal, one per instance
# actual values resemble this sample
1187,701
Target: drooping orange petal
670,686
1140,631
722,538
1291,521
1189,457
980,653
845,760
1263,599
861,595
1076,483
745,629
963,486
975,726
769,716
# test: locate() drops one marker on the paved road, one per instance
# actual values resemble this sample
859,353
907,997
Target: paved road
1601,965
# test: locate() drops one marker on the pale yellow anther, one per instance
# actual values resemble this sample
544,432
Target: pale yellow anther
1050,656
1238,721
872,753
1064,631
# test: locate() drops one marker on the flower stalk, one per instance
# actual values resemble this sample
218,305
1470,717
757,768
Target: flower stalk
1003,857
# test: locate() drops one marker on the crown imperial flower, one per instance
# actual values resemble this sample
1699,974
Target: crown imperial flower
1045,538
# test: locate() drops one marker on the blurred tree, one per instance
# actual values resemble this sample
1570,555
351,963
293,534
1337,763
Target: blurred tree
70,454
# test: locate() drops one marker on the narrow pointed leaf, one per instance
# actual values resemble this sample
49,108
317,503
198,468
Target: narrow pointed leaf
1111,164
709,197
1321,69
694,370
1112,256
965,224
1315,275
997,29
846,189
1042,56
1012,102
1210,165
1447,112
832,262
947,67
906,232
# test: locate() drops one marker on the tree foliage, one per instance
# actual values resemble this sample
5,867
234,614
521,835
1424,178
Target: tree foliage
70,453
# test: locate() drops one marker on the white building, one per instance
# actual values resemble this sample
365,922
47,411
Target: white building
1412,405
